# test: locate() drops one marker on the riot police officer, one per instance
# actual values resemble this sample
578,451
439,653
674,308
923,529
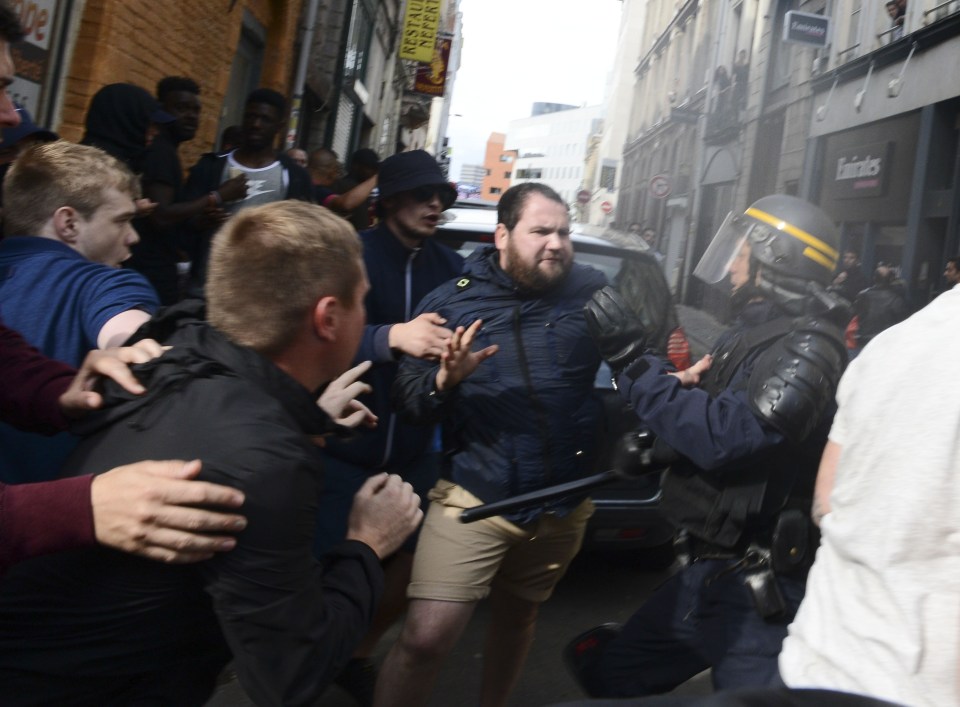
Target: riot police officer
747,424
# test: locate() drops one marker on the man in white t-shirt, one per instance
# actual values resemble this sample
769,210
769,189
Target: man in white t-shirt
268,174
881,615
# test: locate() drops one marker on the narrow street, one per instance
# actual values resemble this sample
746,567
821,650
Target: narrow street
596,590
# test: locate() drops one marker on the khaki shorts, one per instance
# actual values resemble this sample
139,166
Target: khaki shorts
458,561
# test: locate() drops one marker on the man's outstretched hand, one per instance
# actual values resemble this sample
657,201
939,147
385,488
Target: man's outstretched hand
149,508
690,377
458,361
424,336
339,399
81,398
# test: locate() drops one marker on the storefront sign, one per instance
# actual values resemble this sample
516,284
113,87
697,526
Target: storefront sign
861,171
806,28
420,24
431,77
32,55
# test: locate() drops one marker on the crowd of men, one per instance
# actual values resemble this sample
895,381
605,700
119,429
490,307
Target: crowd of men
340,397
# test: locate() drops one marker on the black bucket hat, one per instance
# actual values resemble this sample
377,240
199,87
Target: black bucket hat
407,171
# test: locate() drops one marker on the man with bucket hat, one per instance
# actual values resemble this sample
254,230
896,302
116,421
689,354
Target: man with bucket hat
403,264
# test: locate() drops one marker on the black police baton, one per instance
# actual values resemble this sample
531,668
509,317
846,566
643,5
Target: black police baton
635,456
534,498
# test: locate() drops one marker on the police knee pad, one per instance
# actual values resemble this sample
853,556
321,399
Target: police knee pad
582,655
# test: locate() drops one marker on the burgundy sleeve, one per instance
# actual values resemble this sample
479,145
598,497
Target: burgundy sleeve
32,385
45,517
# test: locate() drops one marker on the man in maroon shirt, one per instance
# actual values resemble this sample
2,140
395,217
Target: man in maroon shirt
141,508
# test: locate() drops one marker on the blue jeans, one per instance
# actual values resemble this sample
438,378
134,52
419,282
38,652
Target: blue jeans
702,617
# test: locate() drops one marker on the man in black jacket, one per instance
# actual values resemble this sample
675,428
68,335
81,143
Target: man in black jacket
269,175
158,251
97,627
880,306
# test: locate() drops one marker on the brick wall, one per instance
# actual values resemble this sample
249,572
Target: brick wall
140,41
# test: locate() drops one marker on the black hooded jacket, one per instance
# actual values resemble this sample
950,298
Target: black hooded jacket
117,122
110,622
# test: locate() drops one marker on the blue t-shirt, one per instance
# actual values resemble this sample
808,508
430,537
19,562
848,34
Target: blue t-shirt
59,301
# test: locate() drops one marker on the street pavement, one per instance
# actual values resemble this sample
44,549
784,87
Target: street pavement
597,589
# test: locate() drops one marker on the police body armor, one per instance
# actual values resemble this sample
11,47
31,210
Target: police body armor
796,365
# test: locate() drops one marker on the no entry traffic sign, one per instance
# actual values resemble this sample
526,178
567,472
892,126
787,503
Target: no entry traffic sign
660,186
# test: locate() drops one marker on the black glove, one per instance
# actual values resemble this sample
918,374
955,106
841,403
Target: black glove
619,334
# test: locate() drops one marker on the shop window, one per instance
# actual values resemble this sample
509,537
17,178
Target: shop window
358,42
850,51
608,177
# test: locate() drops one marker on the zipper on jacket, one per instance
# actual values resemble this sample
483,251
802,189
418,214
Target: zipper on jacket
407,314
539,408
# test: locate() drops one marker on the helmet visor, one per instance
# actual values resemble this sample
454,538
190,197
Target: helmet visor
723,249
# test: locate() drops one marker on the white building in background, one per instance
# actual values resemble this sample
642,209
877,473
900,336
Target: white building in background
472,174
603,177
552,145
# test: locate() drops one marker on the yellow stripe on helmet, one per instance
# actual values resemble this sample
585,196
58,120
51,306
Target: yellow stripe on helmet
818,251
820,258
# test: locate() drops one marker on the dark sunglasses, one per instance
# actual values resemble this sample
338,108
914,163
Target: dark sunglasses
428,191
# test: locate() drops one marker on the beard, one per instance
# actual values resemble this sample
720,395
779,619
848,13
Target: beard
529,277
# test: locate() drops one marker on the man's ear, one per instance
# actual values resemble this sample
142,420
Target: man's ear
500,236
65,224
326,318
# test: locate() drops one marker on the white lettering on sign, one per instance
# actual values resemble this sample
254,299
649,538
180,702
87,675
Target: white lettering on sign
855,168
809,29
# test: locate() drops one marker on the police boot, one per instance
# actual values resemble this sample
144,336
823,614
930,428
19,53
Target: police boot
583,653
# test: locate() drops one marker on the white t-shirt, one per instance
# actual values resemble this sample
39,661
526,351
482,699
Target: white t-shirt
264,184
881,614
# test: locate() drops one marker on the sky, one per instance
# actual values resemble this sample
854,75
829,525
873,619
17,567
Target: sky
517,52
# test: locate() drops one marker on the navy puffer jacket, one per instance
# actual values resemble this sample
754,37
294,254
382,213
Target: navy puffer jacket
528,417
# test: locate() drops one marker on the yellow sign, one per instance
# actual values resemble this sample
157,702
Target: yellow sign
420,26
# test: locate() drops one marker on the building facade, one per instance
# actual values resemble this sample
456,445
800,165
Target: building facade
356,91
499,164
604,169
551,146
730,104
354,80
472,174
883,154
74,48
